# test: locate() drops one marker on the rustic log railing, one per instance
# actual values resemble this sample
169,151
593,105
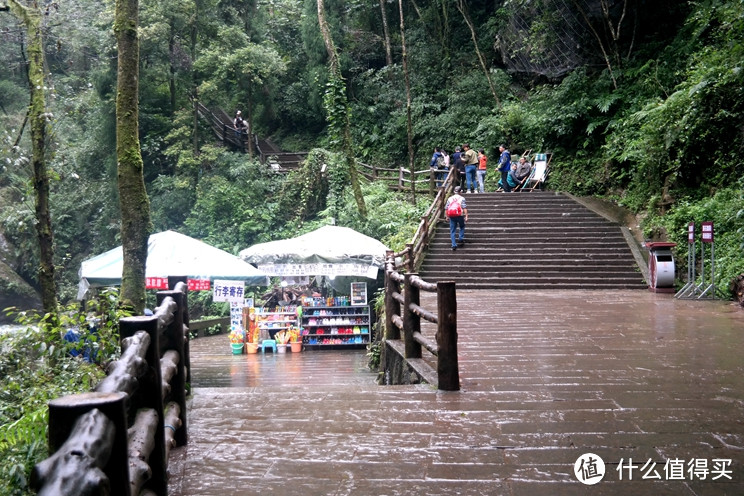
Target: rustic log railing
411,257
399,179
403,312
116,439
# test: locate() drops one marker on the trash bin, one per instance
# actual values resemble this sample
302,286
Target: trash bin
661,267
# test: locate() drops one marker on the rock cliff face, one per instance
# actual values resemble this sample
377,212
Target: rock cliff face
14,291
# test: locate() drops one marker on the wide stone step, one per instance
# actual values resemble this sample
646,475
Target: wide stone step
551,275
520,241
530,266
493,263
529,225
533,285
546,276
536,246
521,252
621,266
481,243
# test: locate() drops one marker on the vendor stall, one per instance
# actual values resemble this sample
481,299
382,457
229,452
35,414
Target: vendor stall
348,261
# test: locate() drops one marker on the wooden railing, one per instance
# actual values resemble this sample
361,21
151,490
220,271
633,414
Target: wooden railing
403,312
412,256
222,127
116,439
399,179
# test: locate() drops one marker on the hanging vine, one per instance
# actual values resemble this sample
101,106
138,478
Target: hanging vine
338,112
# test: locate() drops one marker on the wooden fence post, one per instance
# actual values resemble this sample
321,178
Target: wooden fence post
174,340
400,179
392,306
184,310
411,321
432,181
411,262
151,390
64,412
447,364
425,235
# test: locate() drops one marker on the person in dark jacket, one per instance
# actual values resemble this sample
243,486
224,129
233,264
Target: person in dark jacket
503,166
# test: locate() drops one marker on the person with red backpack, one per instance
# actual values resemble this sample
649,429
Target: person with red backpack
457,211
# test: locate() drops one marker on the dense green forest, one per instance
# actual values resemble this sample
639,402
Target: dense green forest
640,102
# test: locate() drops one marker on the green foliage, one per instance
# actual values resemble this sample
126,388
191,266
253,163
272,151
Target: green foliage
724,210
12,96
35,367
305,191
337,111
392,218
235,203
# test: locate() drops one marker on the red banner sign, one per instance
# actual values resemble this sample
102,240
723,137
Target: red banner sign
156,283
198,284
162,283
691,233
707,232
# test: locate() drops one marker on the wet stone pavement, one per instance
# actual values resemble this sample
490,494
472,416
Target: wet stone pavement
547,377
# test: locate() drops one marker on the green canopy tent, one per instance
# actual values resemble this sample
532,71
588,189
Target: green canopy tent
170,254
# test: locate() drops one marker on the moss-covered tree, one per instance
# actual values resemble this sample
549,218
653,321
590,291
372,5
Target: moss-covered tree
133,200
31,16
338,111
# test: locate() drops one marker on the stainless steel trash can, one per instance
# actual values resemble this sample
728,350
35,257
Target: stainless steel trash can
661,267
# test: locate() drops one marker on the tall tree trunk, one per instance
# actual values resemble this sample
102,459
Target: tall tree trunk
601,44
194,82
135,206
249,131
31,17
172,66
409,122
341,101
463,10
386,33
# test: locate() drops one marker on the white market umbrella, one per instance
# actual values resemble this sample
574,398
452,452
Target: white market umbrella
329,251
171,254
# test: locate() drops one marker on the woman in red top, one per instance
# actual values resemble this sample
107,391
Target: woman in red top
482,161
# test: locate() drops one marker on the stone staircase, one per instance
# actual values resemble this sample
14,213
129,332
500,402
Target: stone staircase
539,240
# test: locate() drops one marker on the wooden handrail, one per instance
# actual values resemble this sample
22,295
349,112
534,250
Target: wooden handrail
92,443
412,256
403,314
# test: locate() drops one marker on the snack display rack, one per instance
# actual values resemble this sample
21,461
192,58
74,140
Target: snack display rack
324,324
271,321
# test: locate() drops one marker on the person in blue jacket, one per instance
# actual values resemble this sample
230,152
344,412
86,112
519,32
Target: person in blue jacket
504,166
436,164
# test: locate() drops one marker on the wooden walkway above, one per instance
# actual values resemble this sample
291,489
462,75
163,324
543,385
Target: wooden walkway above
222,127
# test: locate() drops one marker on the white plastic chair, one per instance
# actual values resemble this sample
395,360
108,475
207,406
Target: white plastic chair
539,172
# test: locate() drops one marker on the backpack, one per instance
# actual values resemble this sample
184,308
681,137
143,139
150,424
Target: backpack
454,208
440,162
